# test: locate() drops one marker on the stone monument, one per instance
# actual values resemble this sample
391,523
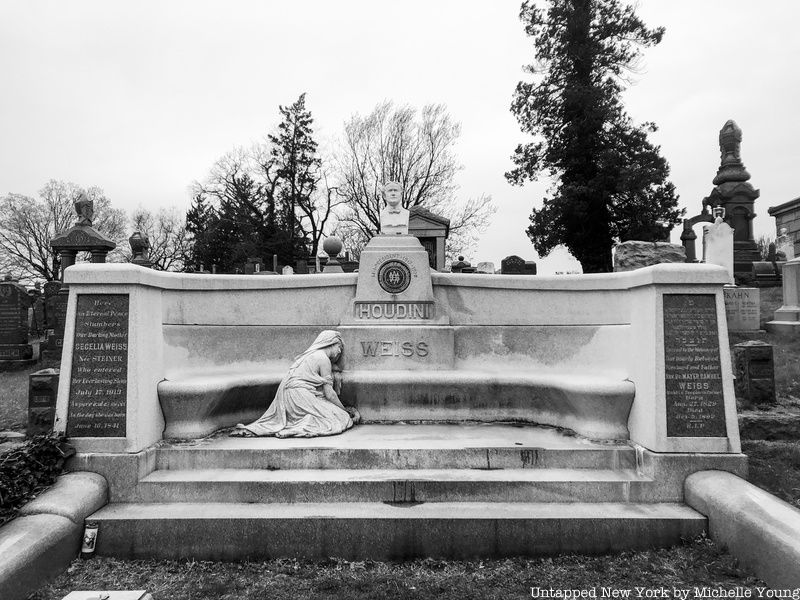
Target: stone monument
754,367
736,195
432,231
140,249
332,247
787,317
81,237
784,245
394,218
14,305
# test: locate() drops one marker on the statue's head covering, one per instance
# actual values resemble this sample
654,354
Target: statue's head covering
326,338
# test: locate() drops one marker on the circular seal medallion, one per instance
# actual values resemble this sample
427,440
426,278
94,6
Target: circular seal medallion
394,276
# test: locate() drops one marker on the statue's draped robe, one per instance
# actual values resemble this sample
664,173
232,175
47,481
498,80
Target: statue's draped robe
300,408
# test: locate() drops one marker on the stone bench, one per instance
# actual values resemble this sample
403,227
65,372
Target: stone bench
593,406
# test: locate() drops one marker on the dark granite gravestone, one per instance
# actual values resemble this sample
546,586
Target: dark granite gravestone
529,268
459,265
253,265
301,267
38,315
42,394
767,273
14,304
754,368
56,316
98,387
692,369
51,288
512,265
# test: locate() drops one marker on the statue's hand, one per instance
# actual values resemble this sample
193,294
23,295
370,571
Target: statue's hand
354,414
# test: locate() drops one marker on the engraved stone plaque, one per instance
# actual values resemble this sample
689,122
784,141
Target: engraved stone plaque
692,371
99,381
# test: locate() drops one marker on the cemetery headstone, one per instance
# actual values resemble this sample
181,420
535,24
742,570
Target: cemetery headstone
98,389
42,394
754,368
287,270
459,265
38,315
695,404
512,265
253,265
529,268
301,267
767,273
14,328
51,288
743,308
485,267
718,244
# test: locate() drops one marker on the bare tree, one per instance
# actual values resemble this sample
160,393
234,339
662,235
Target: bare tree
415,149
166,232
467,220
27,225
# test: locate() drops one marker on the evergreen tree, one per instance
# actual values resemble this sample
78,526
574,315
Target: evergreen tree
294,155
610,182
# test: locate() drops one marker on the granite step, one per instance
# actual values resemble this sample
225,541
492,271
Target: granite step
386,531
404,446
388,485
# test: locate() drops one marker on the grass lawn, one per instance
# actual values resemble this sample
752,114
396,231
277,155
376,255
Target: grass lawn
699,563
14,396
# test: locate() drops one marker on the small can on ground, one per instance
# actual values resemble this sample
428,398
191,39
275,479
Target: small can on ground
90,531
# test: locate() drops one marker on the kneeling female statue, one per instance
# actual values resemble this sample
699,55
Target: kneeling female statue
306,404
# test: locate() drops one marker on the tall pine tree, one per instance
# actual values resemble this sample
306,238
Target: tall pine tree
294,155
610,182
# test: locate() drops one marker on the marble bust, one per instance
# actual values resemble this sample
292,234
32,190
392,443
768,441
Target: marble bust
394,218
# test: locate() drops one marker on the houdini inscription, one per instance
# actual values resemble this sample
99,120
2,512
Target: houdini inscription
394,310
693,376
99,381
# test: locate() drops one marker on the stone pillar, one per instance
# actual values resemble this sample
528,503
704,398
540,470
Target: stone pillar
787,317
67,259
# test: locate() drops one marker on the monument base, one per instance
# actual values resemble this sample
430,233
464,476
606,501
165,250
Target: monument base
396,492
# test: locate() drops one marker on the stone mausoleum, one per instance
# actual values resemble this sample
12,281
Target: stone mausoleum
787,215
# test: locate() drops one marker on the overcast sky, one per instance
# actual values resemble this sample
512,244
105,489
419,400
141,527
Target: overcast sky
140,98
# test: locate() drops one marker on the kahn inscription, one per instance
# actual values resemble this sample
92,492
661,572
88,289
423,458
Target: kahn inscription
99,381
692,371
